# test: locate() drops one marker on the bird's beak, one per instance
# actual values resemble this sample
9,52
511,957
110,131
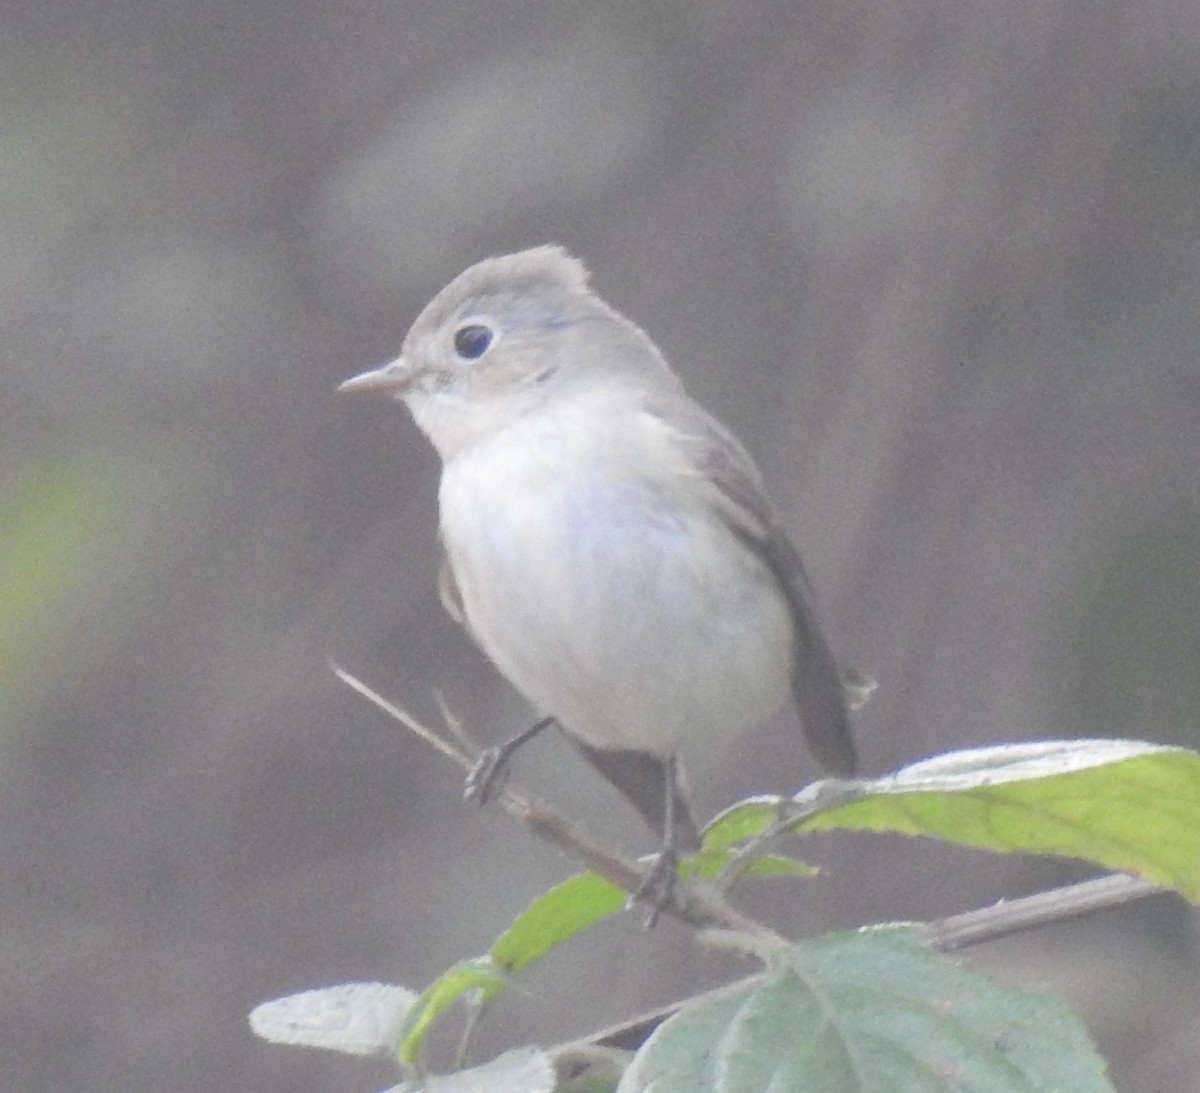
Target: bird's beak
390,379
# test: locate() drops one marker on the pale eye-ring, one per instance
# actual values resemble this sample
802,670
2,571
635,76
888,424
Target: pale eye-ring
472,341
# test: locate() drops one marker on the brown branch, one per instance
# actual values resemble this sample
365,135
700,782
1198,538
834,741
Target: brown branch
696,904
700,905
1041,909
455,755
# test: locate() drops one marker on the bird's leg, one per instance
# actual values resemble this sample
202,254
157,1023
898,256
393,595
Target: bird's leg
489,771
660,882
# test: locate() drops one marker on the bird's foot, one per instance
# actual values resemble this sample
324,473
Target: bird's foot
488,776
658,889
491,768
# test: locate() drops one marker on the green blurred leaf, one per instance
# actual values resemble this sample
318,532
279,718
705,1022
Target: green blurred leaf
590,1069
709,864
566,910
872,1012
52,525
587,899
742,821
1122,804
479,975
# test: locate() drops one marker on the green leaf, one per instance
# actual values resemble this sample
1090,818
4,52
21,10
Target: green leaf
587,899
872,1012
566,910
1122,804
590,1069
709,864
479,975
742,821
58,529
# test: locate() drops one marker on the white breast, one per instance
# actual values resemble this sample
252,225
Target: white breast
605,590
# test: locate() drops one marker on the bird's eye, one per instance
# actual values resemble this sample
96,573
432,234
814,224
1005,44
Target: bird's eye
472,341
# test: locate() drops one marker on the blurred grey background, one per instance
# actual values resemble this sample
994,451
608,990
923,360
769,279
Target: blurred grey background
939,266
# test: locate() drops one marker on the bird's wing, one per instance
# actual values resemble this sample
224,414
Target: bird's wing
735,492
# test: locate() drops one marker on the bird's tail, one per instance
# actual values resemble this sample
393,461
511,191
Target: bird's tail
644,780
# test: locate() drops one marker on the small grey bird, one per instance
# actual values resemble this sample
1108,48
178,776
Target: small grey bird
605,541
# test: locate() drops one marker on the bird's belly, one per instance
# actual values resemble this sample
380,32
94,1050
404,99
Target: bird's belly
635,618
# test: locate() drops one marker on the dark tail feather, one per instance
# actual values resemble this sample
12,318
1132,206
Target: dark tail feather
821,698
642,779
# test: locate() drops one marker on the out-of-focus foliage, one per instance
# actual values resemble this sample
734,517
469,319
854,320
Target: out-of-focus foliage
60,524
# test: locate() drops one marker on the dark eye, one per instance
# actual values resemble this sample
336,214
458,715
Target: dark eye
471,342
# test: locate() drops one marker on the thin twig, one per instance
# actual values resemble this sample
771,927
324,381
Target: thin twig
405,718
1012,916
456,728
820,796
694,903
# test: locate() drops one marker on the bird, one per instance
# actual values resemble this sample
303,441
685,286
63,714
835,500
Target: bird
606,541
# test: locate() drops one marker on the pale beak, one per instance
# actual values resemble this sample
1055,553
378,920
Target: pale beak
394,378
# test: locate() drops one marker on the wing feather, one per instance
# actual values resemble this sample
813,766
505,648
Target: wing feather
737,496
